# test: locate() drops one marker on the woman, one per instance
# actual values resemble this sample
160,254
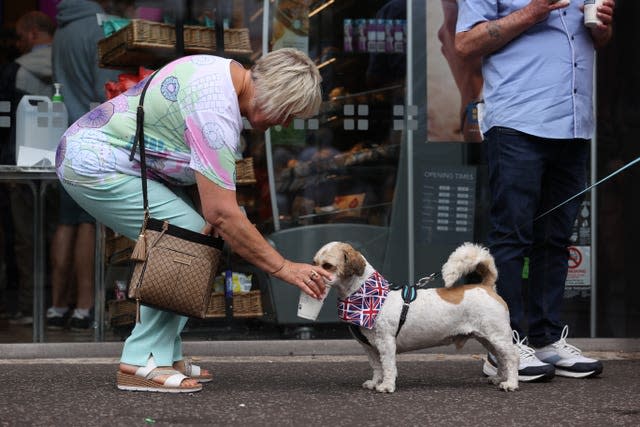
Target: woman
193,119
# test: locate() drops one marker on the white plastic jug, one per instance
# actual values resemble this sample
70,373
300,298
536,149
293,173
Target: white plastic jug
40,124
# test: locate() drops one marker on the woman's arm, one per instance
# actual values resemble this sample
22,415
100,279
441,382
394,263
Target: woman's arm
220,209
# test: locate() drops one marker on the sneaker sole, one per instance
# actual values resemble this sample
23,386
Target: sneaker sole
571,374
489,370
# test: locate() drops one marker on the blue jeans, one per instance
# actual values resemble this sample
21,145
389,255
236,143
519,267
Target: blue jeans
529,175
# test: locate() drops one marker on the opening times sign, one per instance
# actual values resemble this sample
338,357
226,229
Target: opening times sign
448,201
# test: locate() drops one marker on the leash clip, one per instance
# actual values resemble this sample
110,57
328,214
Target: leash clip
426,280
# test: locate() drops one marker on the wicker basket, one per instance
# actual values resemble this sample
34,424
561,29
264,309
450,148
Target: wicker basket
121,313
248,304
153,43
244,171
118,249
245,305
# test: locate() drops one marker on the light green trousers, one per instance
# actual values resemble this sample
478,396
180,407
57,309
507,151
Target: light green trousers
118,205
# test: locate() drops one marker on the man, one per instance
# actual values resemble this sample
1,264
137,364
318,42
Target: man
538,70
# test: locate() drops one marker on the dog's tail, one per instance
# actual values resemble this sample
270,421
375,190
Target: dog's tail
466,259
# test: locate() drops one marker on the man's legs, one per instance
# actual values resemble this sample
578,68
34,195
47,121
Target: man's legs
516,165
565,177
549,262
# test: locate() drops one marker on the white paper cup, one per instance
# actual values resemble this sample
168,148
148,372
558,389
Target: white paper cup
591,13
309,307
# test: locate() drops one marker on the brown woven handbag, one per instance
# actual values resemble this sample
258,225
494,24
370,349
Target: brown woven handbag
174,267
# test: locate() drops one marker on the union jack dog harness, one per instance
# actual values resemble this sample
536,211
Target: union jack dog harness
362,307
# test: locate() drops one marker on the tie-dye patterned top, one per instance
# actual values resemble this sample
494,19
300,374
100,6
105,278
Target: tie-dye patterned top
192,123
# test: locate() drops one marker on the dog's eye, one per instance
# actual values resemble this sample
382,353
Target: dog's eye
327,266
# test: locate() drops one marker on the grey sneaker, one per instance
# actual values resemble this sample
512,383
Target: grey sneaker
530,367
567,359
18,318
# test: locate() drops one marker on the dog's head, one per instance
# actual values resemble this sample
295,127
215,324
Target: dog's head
347,264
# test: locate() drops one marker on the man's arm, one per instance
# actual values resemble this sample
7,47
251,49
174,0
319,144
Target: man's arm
489,36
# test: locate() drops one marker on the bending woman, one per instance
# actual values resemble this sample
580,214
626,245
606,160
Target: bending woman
193,119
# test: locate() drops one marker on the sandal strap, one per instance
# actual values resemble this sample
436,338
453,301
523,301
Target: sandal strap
143,371
174,380
191,369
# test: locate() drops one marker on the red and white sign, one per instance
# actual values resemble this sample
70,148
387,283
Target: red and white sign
579,275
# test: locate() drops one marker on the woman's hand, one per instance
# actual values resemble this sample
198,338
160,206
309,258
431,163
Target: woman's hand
309,278
208,230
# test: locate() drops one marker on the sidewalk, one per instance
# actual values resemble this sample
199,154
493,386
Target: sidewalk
310,383
628,348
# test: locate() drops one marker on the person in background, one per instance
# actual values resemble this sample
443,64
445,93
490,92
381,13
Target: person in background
467,73
75,66
8,266
537,64
193,120
29,74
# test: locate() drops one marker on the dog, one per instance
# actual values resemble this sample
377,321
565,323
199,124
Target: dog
437,316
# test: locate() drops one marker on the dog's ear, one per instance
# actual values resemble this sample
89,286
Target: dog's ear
354,263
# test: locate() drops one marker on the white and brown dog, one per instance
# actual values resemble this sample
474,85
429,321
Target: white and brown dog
437,316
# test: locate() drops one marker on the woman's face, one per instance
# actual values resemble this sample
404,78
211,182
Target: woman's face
260,122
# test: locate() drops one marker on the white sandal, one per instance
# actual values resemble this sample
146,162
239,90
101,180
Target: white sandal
142,380
194,371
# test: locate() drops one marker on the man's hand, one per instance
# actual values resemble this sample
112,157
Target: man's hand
601,34
539,10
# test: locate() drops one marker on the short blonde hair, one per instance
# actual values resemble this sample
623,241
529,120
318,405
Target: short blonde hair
287,84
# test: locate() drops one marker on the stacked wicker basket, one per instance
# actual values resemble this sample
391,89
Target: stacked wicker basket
152,43
245,305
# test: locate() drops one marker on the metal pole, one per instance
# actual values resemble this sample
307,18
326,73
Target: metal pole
99,287
594,213
267,135
409,102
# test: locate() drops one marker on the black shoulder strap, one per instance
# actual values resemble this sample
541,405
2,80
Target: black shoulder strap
138,139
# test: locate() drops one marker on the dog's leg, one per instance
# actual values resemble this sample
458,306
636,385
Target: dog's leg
507,357
387,350
374,362
508,360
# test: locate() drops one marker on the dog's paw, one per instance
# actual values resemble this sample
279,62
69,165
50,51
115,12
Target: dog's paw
508,386
369,384
386,388
495,380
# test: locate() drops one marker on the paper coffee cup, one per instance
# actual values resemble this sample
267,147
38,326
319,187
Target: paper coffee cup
591,13
309,307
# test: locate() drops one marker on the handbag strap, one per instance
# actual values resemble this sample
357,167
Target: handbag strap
138,140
